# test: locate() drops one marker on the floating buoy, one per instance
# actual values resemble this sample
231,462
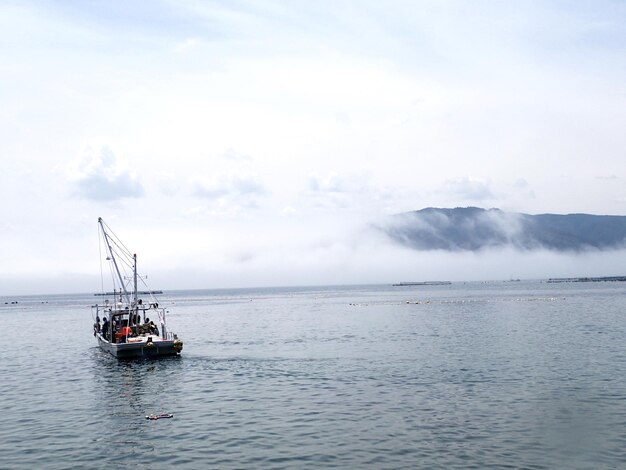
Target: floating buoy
162,415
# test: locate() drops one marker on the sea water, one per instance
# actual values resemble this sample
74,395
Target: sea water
468,375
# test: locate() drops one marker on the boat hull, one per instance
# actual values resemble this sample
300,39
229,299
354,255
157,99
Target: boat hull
156,348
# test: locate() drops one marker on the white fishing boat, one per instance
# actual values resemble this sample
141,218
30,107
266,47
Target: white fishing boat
124,324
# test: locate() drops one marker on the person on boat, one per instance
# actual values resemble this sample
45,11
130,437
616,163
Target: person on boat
123,333
145,328
96,326
150,327
105,328
134,324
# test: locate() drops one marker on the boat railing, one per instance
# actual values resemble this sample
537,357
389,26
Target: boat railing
120,311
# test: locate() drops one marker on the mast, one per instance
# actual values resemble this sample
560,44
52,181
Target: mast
135,280
112,257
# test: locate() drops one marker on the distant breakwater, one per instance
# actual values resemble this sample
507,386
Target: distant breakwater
587,279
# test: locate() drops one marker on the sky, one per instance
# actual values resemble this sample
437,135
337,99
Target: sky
254,143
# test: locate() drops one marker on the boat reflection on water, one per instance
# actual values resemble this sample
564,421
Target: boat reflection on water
125,392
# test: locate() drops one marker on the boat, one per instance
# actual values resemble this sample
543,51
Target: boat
127,330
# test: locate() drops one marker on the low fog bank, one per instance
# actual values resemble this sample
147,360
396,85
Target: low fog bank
306,252
353,252
387,265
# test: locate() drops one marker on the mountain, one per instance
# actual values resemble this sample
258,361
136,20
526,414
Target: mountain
473,229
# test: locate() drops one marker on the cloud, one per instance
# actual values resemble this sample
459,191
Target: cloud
229,194
520,191
521,183
233,185
288,211
354,191
332,183
186,45
331,191
101,177
234,155
468,189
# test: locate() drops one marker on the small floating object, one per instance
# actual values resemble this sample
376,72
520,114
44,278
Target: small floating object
162,415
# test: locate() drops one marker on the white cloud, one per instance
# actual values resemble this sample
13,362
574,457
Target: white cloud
229,194
187,45
288,211
98,176
521,183
350,191
232,154
232,184
333,183
468,189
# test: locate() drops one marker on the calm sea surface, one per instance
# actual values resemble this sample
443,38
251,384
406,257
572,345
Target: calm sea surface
470,375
